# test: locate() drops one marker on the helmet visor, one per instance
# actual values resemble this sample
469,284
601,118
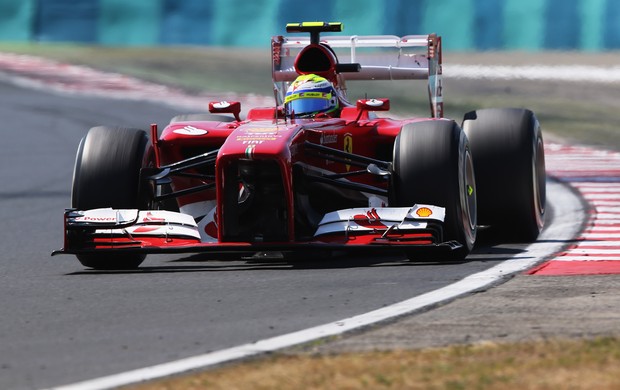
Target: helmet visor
308,102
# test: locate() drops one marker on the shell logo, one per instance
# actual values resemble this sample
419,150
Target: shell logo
424,212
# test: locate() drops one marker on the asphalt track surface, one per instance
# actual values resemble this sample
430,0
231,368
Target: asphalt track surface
63,324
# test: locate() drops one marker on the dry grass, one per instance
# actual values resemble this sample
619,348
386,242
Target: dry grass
557,364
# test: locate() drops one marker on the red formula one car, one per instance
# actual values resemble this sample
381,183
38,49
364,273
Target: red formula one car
313,172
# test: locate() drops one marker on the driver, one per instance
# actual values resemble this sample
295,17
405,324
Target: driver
310,95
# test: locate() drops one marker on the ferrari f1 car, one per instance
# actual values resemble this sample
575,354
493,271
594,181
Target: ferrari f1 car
281,181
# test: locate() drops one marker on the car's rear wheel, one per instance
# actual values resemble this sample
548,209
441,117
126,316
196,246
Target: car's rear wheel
107,174
509,159
433,165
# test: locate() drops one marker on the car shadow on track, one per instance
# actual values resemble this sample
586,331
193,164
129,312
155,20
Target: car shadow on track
215,263
490,247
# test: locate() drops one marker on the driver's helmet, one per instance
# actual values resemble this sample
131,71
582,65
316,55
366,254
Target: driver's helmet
309,95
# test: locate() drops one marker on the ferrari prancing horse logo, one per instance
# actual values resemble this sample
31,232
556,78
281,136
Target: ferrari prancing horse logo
348,146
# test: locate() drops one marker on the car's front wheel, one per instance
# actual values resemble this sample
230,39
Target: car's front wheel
107,174
433,165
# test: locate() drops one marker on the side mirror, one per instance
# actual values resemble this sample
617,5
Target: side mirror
225,107
373,104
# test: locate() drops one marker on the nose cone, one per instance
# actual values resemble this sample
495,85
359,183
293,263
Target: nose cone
259,140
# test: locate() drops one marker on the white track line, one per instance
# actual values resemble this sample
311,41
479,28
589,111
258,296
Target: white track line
570,73
600,236
568,258
595,196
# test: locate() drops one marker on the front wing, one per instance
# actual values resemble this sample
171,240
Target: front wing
158,231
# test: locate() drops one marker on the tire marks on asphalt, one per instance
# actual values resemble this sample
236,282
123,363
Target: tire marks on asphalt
595,174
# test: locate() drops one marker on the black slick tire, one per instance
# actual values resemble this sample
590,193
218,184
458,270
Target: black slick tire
509,160
433,165
106,174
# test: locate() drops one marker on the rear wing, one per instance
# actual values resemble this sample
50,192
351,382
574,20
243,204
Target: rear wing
381,57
